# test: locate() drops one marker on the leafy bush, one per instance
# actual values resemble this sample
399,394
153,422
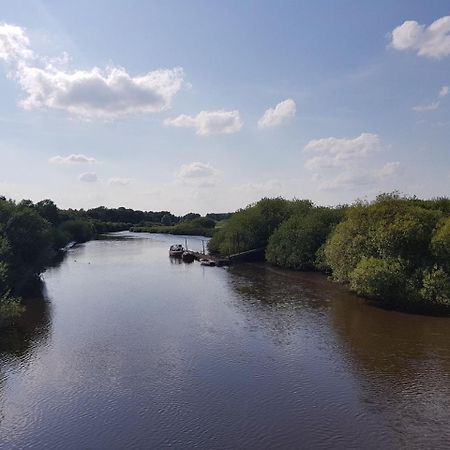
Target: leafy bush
251,228
204,222
348,244
387,228
440,243
381,279
395,249
295,243
79,230
27,234
436,287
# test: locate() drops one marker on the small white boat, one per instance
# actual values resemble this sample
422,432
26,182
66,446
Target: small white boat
176,250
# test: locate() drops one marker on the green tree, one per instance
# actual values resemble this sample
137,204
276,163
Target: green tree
381,279
28,236
78,230
440,243
436,287
389,250
251,227
49,211
295,243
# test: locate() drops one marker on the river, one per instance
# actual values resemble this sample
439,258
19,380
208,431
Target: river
131,349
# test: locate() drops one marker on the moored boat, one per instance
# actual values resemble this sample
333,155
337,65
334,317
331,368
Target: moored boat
188,257
176,250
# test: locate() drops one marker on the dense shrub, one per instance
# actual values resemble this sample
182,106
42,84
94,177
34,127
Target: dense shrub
78,230
296,242
30,235
440,243
394,249
436,287
204,222
251,227
382,279
27,234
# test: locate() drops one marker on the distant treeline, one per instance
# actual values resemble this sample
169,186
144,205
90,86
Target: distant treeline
198,226
395,249
31,234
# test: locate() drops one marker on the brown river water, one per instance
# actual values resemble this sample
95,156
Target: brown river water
131,349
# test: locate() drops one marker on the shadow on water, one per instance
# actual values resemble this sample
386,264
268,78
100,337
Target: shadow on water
31,330
279,302
400,362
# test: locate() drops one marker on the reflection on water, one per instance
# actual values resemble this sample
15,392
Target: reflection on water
146,351
401,361
30,330
275,303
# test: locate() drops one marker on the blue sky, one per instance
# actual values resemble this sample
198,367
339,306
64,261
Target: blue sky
208,106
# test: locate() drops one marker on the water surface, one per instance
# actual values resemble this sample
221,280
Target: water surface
132,349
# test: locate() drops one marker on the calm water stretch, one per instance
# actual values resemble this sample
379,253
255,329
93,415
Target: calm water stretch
131,349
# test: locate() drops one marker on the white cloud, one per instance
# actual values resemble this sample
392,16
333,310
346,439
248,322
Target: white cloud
347,164
389,169
96,93
428,107
196,170
14,43
88,177
72,159
209,122
445,90
432,41
93,93
335,152
351,180
274,116
119,181
198,175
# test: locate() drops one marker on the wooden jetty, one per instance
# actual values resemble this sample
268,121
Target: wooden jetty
218,260
256,254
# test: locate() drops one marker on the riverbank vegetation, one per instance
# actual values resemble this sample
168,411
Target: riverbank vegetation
32,234
395,250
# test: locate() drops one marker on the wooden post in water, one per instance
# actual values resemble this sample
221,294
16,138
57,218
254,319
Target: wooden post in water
185,244
203,245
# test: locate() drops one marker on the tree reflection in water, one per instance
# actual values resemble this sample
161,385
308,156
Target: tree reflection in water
31,330
401,362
